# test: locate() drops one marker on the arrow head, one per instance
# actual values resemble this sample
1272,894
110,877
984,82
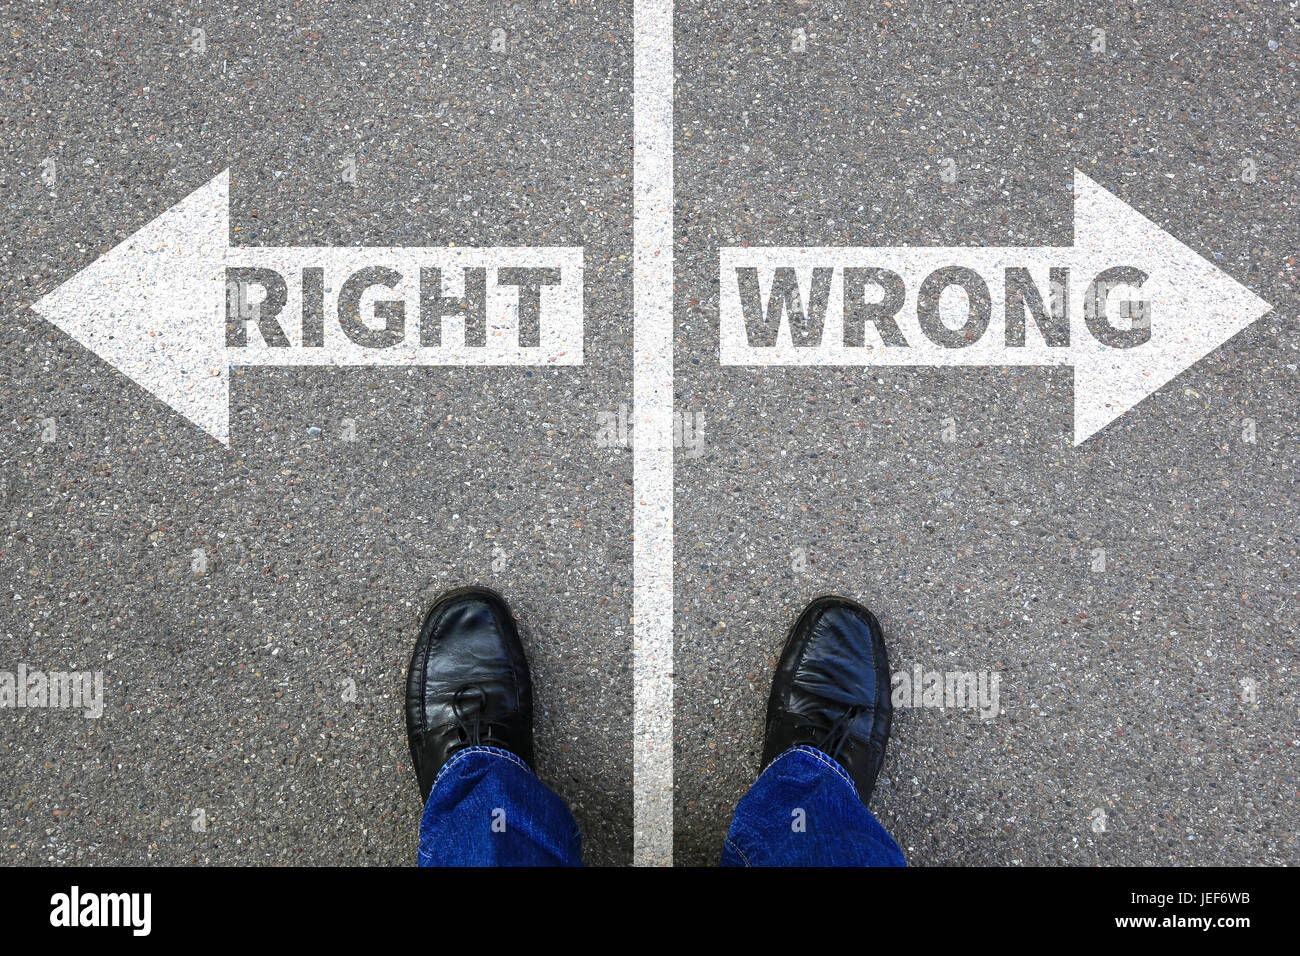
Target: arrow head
152,307
1195,308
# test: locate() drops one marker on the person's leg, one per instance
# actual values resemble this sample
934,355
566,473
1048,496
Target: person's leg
469,721
828,720
488,809
805,811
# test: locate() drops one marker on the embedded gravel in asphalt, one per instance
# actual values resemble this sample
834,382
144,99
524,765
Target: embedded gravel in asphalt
253,707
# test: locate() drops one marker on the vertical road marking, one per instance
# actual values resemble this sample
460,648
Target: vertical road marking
652,435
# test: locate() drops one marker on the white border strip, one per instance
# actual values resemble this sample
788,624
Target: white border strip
652,474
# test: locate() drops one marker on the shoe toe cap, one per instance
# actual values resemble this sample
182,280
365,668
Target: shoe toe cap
844,656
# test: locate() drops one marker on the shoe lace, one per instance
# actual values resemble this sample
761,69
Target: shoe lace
472,727
831,738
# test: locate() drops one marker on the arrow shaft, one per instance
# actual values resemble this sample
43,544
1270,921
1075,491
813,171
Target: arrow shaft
401,306
905,306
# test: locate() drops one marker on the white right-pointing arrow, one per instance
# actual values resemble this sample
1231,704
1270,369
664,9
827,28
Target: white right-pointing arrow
1196,307
1193,306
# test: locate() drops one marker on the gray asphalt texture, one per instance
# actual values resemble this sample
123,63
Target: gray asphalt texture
225,691
1120,690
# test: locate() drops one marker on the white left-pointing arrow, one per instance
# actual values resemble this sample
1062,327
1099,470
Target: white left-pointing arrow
157,307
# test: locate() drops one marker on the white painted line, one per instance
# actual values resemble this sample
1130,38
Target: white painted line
652,402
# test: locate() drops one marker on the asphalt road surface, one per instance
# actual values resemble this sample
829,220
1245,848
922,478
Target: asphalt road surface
252,607
225,691
952,501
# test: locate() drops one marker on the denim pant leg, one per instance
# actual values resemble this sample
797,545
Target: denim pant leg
804,810
488,809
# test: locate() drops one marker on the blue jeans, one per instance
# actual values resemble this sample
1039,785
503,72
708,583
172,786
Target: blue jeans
488,809
803,810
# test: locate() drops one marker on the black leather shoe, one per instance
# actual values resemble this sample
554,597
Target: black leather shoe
831,690
467,684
